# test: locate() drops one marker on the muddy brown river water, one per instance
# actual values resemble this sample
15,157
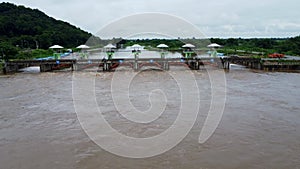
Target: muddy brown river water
260,127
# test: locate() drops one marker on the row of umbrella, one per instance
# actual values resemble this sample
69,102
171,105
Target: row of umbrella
213,45
110,46
78,47
81,46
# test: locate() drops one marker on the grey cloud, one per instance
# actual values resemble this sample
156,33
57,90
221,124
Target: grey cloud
215,18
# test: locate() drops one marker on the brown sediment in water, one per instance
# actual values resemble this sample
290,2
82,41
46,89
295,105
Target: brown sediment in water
259,128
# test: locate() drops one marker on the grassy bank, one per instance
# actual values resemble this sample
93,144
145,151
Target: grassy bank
33,54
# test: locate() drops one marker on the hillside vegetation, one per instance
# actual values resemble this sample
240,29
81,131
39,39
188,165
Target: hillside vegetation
23,28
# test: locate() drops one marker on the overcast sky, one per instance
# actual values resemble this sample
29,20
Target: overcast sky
215,18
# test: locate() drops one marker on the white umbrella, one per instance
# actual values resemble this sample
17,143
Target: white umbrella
110,46
188,46
162,46
214,45
83,47
136,46
56,47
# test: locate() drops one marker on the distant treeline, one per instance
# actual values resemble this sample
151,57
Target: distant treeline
289,46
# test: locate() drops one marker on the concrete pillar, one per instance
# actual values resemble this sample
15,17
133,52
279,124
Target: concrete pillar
168,65
16,68
45,67
5,69
259,66
197,65
224,64
136,66
42,68
104,66
107,66
74,67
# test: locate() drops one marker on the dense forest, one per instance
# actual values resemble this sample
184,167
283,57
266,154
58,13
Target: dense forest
24,28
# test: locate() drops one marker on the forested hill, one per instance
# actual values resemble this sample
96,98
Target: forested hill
23,27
